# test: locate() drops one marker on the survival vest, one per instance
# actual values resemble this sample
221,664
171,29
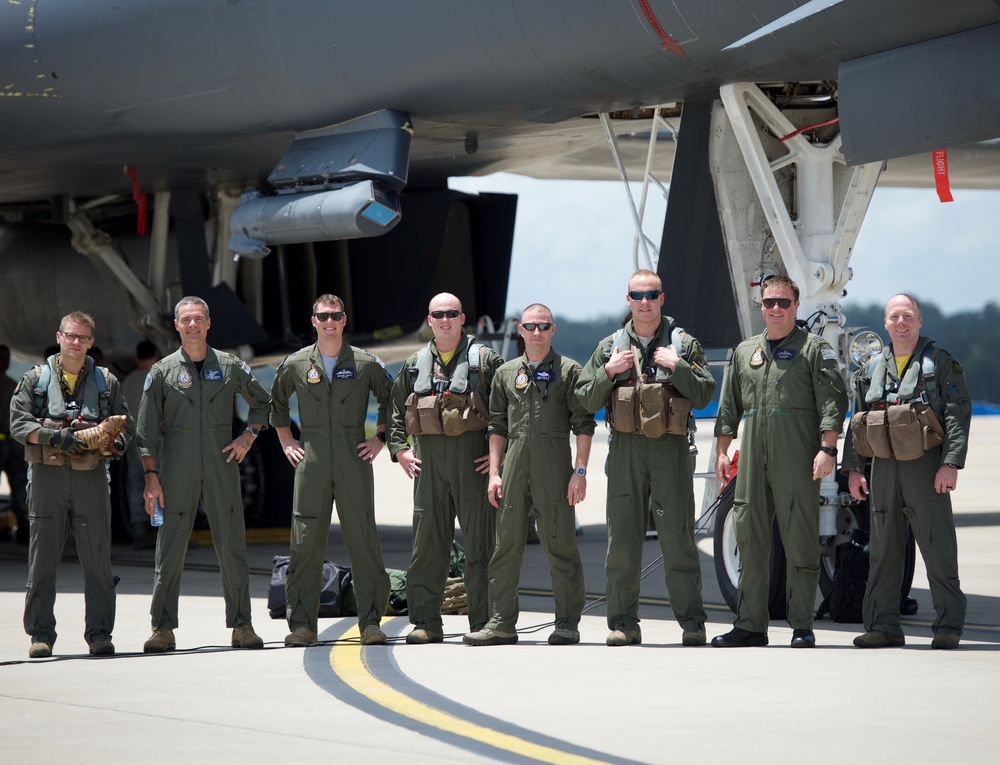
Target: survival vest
51,410
448,407
900,423
651,407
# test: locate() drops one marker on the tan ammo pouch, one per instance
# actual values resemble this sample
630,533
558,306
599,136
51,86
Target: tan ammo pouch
903,431
412,415
428,415
625,409
870,434
462,412
662,410
652,409
50,455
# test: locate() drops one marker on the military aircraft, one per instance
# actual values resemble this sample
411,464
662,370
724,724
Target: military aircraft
159,138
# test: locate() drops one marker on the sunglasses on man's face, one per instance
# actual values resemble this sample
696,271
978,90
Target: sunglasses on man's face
782,303
450,313
327,315
638,295
541,326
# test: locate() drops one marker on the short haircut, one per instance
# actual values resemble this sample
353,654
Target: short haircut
78,317
190,300
645,273
541,306
781,280
328,299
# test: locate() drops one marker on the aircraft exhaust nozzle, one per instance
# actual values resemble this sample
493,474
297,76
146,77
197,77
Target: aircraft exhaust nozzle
355,210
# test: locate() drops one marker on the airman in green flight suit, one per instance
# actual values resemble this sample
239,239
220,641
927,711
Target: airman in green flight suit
188,396
645,467
332,381
449,471
67,487
787,384
533,411
915,493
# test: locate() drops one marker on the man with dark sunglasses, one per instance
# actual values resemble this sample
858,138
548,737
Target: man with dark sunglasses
533,410
440,398
787,384
332,380
647,460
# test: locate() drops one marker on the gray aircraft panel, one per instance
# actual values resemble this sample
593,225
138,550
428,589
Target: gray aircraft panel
190,90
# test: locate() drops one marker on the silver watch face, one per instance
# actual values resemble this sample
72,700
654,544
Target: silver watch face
581,471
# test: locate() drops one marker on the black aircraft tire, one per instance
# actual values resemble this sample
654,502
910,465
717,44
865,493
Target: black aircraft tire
727,559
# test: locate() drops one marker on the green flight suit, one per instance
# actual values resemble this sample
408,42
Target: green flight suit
332,421
195,410
446,486
60,498
536,411
902,494
788,397
641,469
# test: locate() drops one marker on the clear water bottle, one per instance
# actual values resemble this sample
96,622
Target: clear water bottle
157,519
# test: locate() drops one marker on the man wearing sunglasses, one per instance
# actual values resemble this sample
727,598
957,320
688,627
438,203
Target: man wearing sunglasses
67,486
533,410
644,468
332,381
448,462
787,384
188,397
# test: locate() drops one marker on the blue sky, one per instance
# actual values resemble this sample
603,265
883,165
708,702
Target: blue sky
575,238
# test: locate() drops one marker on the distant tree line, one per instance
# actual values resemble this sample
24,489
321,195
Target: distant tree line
973,337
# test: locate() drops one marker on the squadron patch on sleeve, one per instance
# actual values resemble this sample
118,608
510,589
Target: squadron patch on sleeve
148,381
956,367
829,354
245,367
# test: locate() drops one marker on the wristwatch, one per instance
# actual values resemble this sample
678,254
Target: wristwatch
253,431
831,450
380,435
580,471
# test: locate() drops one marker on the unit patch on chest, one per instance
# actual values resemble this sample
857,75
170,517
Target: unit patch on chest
521,381
758,358
312,376
184,379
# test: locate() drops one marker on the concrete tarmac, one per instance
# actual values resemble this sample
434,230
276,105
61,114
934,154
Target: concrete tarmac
450,703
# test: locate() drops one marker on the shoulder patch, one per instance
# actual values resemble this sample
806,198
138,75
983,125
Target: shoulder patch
148,381
245,367
956,367
829,354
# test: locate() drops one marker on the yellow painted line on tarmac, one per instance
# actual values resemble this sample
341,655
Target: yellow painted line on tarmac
348,664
